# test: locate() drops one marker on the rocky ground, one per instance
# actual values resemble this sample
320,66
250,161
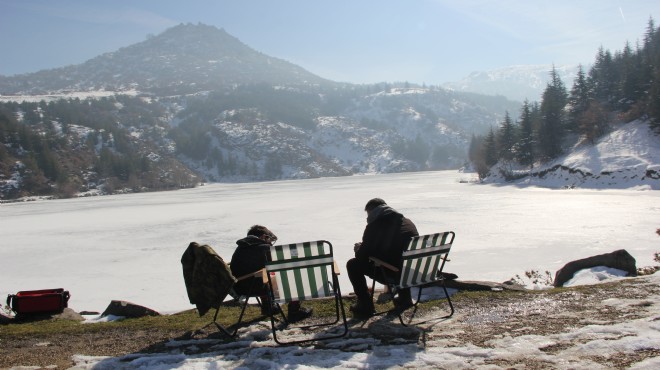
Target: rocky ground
479,319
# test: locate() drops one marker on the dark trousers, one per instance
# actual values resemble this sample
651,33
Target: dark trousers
358,270
255,287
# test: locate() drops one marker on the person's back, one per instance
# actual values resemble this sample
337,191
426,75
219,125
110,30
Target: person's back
249,256
387,236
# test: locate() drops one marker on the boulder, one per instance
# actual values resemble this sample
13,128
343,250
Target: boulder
620,259
5,319
482,285
128,309
69,314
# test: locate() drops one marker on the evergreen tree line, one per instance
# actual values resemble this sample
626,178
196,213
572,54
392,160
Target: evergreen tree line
623,86
37,143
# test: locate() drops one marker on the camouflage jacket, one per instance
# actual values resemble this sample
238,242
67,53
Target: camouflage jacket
207,277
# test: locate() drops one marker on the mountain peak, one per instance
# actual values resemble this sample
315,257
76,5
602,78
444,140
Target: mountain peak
183,59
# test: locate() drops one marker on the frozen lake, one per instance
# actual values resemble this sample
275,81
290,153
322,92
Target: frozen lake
128,247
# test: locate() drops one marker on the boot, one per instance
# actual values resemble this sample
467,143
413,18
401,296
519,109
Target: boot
404,300
265,311
363,309
297,312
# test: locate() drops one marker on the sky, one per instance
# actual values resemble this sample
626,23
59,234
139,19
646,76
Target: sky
369,41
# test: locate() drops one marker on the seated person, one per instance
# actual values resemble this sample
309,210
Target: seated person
250,256
385,237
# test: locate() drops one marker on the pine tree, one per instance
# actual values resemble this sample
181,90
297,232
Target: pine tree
551,131
602,78
578,99
525,146
654,99
490,149
631,72
507,138
474,150
652,66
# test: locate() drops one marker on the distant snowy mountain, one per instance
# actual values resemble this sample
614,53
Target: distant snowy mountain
518,82
626,158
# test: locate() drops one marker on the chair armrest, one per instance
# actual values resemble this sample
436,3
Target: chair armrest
336,267
378,262
250,275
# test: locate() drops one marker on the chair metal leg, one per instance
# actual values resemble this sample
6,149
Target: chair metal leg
222,328
339,306
414,306
419,295
451,306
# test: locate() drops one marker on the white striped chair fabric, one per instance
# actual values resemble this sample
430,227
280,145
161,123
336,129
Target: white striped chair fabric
301,271
424,258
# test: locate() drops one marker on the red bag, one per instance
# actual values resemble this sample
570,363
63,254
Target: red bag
38,301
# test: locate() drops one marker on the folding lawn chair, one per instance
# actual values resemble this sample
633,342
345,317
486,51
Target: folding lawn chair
423,261
209,280
243,300
305,271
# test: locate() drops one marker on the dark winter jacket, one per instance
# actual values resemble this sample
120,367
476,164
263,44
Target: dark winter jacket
207,277
249,256
386,236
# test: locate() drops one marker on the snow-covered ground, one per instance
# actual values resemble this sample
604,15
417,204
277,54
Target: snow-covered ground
628,157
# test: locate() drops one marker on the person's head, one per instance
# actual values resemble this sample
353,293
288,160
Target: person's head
263,233
373,203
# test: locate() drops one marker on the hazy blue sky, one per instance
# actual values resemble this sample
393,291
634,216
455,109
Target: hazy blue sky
422,41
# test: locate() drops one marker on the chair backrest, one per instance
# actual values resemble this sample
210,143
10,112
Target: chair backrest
301,271
424,258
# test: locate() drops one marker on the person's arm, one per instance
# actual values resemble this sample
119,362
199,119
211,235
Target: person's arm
365,247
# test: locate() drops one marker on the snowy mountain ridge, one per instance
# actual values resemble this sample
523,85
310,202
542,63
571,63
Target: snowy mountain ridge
518,82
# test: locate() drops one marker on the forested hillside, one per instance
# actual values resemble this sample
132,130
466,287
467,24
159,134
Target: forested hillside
620,87
66,147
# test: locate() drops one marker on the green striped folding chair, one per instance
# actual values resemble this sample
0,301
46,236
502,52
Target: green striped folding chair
423,262
305,271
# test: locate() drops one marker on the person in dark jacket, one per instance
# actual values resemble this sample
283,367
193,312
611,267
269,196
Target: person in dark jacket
251,255
385,237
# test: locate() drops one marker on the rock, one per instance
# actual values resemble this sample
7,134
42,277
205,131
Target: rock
69,314
128,309
648,270
89,313
480,285
5,319
620,259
